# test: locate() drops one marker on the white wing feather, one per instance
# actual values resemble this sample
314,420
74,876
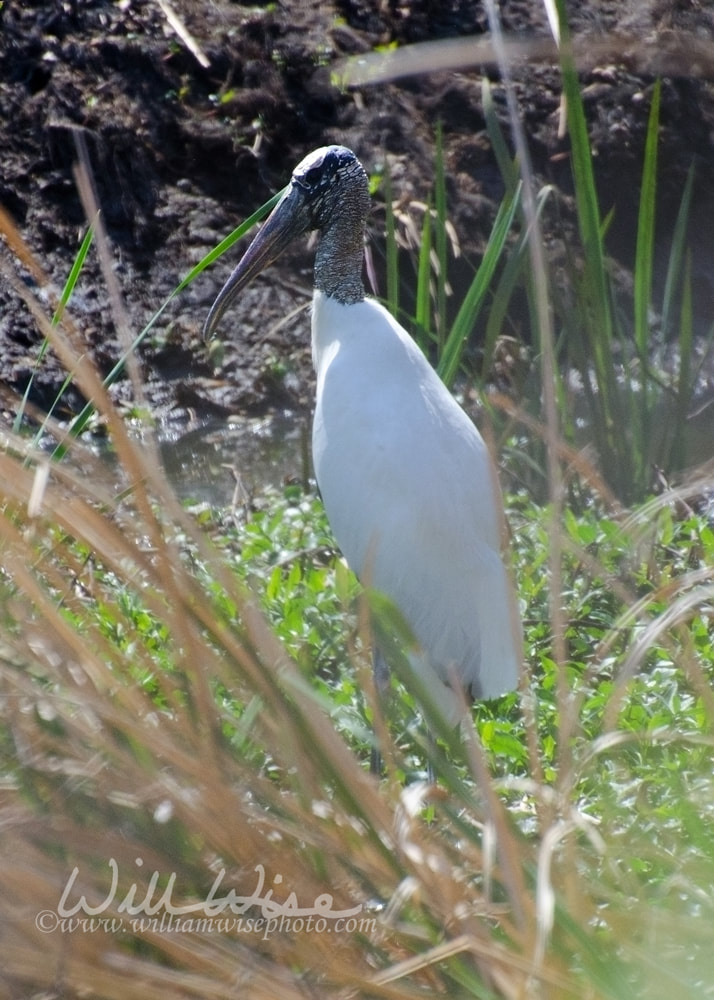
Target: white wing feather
411,494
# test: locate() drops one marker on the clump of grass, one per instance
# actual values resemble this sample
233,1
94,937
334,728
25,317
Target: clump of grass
433,245
634,360
637,410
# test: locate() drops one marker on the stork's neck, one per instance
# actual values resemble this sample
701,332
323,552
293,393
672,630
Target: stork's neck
340,254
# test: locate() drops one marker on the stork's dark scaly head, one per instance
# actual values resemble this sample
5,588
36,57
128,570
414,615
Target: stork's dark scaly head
329,192
329,178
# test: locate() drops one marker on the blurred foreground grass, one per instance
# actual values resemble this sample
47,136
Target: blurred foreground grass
187,699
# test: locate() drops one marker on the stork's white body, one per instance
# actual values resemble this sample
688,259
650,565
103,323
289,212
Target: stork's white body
413,500
407,482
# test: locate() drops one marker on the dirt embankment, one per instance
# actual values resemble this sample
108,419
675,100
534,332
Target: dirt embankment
183,147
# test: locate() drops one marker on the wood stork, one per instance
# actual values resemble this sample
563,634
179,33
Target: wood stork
406,479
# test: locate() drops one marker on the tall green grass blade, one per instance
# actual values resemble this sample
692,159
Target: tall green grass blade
391,249
422,312
498,307
677,252
584,179
599,319
507,282
685,382
591,332
74,274
639,398
645,239
441,237
506,164
62,305
475,296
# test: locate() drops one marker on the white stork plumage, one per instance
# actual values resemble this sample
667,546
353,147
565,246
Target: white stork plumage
406,479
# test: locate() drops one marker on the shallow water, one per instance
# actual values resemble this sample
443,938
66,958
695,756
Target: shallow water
204,463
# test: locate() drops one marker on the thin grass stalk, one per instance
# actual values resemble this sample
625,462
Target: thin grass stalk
641,405
685,379
508,168
422,309
441,239
645,246
475,297
549,378
511,863
595,321
507,282
65,297
84,182
677,253
545,327
587,202
391,248
146,463
498,311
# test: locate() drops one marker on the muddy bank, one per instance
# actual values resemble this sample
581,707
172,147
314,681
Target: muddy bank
184,144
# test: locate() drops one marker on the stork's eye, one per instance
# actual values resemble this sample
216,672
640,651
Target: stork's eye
313,176
322,169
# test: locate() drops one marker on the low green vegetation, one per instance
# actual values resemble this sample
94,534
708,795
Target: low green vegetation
193,702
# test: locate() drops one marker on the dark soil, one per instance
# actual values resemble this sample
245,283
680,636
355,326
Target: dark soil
181,152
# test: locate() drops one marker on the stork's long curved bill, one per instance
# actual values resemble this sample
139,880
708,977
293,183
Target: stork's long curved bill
285,222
